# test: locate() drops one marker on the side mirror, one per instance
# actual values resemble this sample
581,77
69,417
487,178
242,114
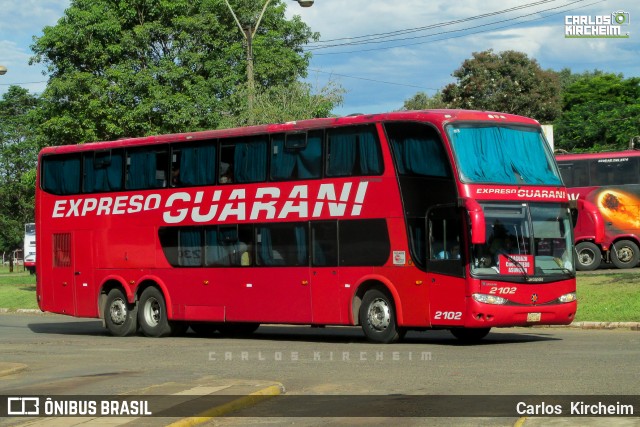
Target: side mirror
476,217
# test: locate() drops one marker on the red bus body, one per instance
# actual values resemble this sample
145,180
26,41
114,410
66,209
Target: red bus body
606,190
92,243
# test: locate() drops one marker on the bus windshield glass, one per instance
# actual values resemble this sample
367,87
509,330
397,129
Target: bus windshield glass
525,240
500,154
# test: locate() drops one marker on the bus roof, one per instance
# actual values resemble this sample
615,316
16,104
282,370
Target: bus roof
438,117
594,156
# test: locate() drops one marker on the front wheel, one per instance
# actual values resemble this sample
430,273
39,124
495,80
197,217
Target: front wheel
119,315
152,314
470,335
378,317
625,254
589,256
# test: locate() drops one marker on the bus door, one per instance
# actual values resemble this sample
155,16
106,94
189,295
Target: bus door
445,266
324,277
86,299
62,277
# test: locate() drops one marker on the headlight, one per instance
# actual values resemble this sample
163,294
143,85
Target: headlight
570,297
489,299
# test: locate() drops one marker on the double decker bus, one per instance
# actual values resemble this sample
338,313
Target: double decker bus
607,189
443,219
29,247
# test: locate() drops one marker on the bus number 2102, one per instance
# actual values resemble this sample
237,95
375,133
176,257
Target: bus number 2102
448,315
502,291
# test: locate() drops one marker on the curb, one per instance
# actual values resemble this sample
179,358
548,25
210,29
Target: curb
235,405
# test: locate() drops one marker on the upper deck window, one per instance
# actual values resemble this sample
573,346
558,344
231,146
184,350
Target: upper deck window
418,150
61,174
501,154
353,151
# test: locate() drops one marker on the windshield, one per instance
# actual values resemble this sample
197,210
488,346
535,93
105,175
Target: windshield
502,154
30,228
525,240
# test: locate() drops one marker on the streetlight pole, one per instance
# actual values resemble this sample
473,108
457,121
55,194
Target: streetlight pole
248,35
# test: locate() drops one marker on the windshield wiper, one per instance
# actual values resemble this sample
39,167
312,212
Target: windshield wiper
517,264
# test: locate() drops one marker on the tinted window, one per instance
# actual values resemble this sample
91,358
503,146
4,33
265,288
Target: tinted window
243,160
353,151
363,242
147,168
193,164
282,244
614,171
324,241
103,171
417,150
61,174
296,156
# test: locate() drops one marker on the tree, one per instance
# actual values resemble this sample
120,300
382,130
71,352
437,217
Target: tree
422,101
18,154
508,82
139,67
284,103
599,111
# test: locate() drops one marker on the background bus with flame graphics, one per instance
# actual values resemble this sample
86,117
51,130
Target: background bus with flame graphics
608,183
439,219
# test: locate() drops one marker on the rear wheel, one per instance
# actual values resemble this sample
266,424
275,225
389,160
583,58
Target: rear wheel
119,315
470,335
152,315
589,256
624,254
378,317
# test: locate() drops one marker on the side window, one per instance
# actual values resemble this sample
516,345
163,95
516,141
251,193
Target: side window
615,171
61,174
296,156
229,245
324,243
444,231
282,244
243,160
102,171
147,168
193,164
371,234
418,150
353,151
566,171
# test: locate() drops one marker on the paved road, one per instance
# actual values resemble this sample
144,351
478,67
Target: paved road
75,356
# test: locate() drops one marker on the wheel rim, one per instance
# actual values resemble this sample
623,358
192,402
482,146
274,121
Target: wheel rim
587,257
625,254
118,311
152,312
379,314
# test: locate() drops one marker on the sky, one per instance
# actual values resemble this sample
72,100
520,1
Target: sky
383,52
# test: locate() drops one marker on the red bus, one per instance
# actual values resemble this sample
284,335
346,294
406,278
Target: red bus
391,221
607,189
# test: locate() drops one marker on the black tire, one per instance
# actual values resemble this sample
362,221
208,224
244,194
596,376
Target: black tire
470,335
588,257
120,317
152,314
625,254
378,317
237,329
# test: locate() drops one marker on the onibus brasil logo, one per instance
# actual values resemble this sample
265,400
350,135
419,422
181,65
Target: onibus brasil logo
612,26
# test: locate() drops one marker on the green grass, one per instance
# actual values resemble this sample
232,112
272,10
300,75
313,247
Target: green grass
606,297
611,297
17,289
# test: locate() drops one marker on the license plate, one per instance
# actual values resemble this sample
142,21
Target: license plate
533,317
